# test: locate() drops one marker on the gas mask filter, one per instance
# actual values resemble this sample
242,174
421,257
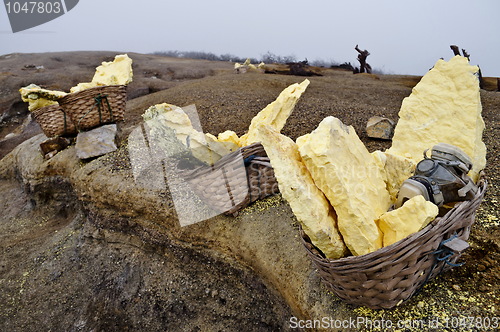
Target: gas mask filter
441,179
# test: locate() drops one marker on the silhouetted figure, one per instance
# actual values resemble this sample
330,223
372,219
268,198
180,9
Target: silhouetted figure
363,66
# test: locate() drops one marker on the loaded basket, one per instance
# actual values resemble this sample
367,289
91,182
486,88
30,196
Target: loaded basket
96,106
54,121
385,278
214,184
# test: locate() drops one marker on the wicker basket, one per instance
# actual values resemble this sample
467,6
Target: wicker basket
242,188
54,121
96,106
387,277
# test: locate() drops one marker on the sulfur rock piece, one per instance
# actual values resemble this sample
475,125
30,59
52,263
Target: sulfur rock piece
248,66
230,137
351,179
83,86
117,72
228,145
276,113
444,107
203,147
415,214
297,187
397,169
38,97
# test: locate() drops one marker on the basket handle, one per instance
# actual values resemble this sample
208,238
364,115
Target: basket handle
65,123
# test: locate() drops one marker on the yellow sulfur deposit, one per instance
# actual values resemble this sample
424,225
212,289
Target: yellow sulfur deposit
117,72
229,136
276,113
307,202
414,215
204,147
229,145
444,107
351,179
250,66
396,170
38,97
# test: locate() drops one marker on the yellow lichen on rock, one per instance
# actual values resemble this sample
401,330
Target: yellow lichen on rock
415,214
276,113
203,147
117,72
297,187
351,179
444,107
38,97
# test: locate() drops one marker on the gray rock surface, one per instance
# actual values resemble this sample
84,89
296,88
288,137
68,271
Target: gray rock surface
380,127
96,142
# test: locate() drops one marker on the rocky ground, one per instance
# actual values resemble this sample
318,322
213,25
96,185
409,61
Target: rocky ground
83,248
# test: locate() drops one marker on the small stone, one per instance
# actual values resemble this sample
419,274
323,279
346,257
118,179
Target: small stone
50,154
96,142
52,146
456,287
379,127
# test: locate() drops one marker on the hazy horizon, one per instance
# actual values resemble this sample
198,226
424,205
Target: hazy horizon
402,37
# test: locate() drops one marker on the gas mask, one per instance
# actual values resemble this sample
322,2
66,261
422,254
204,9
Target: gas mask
441,179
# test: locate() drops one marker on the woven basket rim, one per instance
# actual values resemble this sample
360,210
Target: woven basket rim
83,93
437,223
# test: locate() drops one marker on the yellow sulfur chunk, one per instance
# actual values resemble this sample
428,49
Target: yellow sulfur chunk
229,136
83,86
444,107
203,147
296,185
397,169
414,215
38,97
276,113
117,72
351,179
229,146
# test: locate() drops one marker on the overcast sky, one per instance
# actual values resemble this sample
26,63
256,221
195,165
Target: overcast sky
403,37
